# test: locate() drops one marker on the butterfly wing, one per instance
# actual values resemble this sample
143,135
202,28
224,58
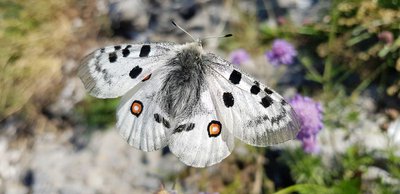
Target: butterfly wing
140,120
112,71
253,112
201,140
230,105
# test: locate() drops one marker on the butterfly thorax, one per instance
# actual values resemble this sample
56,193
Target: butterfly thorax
183,83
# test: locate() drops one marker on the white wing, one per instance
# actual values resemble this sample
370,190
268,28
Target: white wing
140,120
201,140
254,113
112,71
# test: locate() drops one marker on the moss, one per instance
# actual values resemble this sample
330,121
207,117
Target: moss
98,113
233,187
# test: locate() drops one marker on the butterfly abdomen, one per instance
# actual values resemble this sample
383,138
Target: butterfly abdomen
183,84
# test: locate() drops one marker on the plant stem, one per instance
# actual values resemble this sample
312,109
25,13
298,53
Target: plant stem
367,81
327,75
302,187
313,72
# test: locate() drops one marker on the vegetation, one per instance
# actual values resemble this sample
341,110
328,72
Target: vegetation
33,36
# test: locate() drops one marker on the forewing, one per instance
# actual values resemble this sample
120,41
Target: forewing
201,140
253,112
112,71
140,120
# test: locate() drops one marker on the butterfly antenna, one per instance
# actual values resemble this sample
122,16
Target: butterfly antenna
224,36
176,25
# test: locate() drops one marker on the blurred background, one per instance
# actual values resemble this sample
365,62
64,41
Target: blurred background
337,62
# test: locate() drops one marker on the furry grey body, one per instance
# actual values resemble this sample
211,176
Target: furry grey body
183,84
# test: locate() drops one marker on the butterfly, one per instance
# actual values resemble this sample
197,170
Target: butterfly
180,96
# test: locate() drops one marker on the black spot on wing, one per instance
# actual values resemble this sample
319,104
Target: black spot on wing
117,47
255,89
97,60
166,123
98,67
157,118
268,91
228,99
135,72
235,77
125,52
184,127
261,119
144,51
190,127
278,118
266,101
106,76
179,129
112,57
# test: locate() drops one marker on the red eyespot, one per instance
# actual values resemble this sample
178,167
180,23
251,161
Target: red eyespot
136,108
214,128
146,78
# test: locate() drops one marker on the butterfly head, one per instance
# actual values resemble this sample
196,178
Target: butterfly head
197,46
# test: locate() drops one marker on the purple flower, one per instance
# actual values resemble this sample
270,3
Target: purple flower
239,56
310,115
282,53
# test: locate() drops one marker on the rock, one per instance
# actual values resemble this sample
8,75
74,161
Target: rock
151,20
11,168
394,135
302,12
72,93
106,165
375,173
